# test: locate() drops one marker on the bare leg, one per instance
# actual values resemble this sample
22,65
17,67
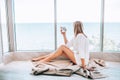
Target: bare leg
39,58
60,51
44,56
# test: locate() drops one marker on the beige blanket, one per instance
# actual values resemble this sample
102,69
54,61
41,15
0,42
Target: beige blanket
67,68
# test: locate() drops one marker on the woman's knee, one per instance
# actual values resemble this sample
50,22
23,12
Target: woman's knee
62,47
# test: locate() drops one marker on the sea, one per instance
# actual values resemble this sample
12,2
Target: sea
41,36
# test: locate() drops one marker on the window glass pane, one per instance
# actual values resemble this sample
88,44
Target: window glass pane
34,24
112,25
87,11
4,26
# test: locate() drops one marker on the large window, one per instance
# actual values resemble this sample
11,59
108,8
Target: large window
112,25
34,25
4,28
87,11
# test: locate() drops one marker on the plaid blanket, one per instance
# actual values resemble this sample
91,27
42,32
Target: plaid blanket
67,68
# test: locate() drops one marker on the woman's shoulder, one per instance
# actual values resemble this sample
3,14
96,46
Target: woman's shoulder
80,35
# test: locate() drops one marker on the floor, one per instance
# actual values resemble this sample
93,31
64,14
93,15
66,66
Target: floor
20,70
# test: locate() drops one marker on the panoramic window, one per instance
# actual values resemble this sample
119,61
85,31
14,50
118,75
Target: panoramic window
112,26
4,26
34,24
87,11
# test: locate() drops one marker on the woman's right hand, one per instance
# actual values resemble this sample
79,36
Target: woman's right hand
63,33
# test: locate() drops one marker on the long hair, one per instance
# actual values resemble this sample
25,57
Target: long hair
78,28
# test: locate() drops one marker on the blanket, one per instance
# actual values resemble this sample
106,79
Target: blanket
67,68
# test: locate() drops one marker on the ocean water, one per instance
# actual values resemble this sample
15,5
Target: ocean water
41,36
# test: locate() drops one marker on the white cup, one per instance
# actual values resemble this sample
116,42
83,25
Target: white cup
63,29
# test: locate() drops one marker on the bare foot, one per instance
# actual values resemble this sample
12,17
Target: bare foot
39,58
34,60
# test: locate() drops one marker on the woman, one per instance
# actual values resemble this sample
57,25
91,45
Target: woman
79,55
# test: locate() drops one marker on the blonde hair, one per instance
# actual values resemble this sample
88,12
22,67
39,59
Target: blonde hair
78,28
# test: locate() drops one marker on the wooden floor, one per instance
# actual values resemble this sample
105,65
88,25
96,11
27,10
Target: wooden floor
20,70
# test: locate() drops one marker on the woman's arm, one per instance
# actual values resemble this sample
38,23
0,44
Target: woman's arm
64,36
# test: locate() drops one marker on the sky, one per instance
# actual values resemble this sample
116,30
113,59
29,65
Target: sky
27,11
67,10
